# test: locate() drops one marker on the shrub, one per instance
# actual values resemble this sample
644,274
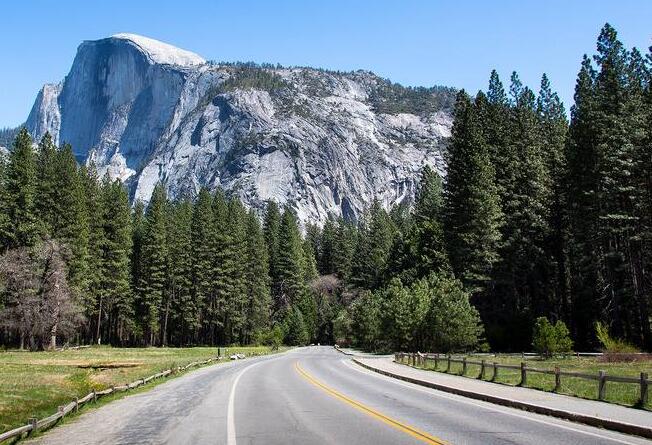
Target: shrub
612,345
549,339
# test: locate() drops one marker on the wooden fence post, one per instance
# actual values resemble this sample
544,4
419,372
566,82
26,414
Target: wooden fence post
76,404
448,366
482,364
34,422
493,377
94,396
557,379
643,399
602,383
436,360
463,365
523,374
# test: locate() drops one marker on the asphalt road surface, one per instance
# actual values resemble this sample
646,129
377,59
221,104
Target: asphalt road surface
311,395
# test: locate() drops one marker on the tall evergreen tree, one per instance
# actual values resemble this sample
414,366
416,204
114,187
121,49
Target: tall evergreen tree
115,313
203,244
428,227
154,263
256,280
553,134
472,214
71,224
290,263
179,304
46,204
271,228
21,194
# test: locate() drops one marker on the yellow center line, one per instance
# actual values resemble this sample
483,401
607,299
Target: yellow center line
417,434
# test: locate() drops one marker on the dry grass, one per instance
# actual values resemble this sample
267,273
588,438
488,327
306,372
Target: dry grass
33,384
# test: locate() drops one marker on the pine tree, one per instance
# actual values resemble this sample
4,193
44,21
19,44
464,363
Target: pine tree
271,227
115,305
235,251
181,304
605,226
96,241
71,224
20,192
5,223
494,117
582,206
46,204
343,249
290,262
257,280
203,244
472,217
429,231
326,261
554,133
374,245
154,263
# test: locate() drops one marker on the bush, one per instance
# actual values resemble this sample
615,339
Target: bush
612,345
272,337
549,339
451,323
433,314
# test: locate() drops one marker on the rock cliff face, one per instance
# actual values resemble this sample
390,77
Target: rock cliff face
324,142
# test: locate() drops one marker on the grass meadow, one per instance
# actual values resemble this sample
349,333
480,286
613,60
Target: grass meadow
34,384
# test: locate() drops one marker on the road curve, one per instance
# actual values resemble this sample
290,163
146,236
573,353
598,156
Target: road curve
311,396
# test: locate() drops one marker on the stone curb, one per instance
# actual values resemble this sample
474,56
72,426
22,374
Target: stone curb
614,425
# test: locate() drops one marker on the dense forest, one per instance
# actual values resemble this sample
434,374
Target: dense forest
538,216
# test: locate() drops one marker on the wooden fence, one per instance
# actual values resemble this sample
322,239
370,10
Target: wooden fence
35,424
419,359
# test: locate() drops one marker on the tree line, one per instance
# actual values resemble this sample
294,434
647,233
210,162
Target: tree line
536,217
182,272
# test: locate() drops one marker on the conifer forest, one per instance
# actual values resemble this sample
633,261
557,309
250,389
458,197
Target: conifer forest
542,212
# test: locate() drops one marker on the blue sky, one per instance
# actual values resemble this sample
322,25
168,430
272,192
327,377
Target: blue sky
453,43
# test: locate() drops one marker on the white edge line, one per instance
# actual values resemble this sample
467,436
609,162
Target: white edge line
230,416
461,399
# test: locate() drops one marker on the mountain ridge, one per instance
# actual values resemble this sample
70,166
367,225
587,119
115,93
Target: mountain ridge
321,141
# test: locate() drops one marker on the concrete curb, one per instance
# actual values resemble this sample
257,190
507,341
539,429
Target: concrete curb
614,425
351,354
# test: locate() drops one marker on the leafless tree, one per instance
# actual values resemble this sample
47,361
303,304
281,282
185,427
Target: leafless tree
39,304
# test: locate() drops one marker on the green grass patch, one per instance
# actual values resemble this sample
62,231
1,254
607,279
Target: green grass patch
34,384
621,393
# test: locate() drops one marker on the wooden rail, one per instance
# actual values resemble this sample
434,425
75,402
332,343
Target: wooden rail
35,424
419,359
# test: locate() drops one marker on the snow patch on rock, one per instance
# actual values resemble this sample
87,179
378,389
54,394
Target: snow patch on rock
160,52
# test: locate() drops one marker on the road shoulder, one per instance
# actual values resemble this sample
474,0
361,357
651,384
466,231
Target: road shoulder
588,412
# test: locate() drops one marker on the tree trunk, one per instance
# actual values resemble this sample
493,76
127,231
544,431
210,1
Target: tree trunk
55,327
165,323
99,323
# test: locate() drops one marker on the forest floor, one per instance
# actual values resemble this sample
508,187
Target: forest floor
34,384
622,393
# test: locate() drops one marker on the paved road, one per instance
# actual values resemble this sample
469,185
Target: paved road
311,396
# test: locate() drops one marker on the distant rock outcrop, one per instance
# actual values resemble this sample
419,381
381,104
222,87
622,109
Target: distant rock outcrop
325,142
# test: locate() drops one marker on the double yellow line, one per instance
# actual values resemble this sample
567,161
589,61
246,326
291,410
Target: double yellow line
407,429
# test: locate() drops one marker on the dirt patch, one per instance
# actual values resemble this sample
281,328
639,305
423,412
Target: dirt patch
624,357
113,365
